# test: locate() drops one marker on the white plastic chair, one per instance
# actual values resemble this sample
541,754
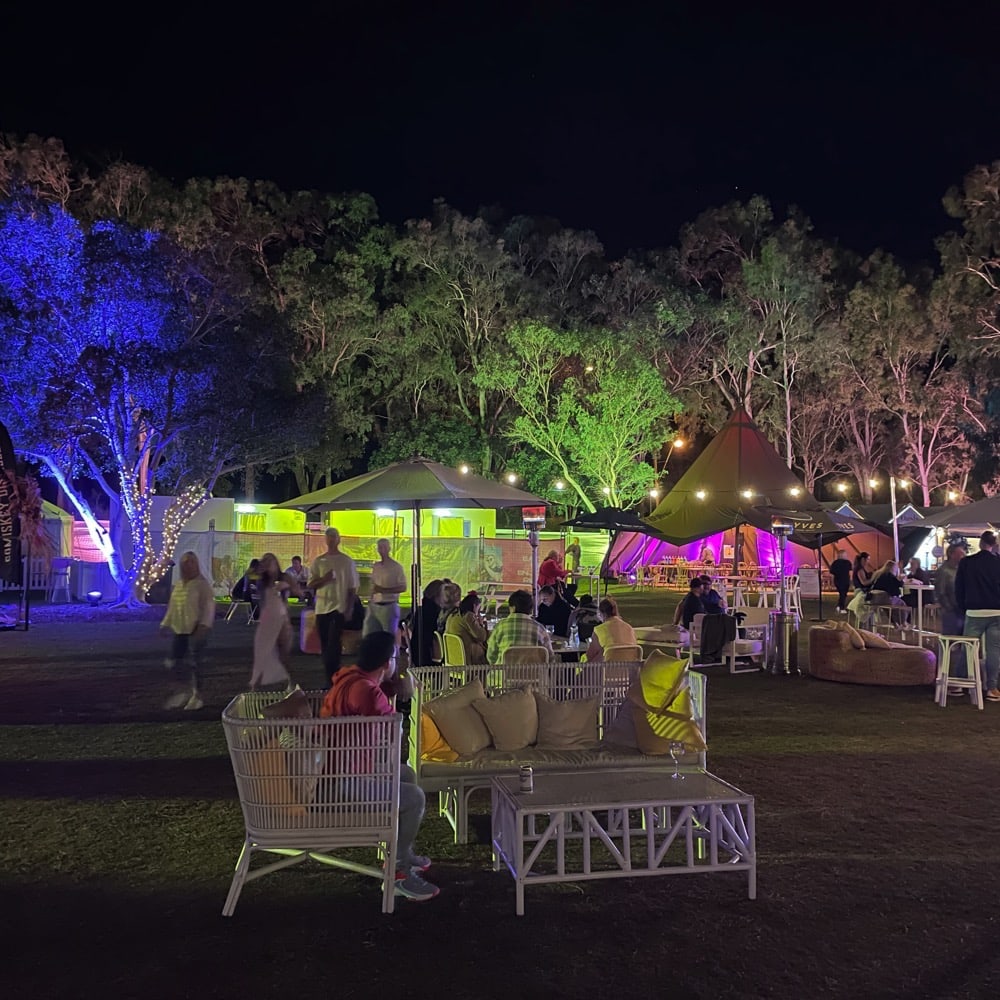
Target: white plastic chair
59,572
302,791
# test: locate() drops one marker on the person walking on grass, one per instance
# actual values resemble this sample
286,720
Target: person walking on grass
365,689
977,595
189,618
333,578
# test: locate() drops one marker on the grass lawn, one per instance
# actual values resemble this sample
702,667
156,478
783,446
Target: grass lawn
877,818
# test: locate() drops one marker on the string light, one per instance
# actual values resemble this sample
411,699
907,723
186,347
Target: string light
795,491
654,493
747,494
511,478
700,494
841,487
464,469
560,485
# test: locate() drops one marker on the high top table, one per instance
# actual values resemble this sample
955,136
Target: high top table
632,817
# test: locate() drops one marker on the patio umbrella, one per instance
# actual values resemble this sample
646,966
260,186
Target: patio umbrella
973,515
417,484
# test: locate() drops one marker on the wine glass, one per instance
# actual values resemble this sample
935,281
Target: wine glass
677,749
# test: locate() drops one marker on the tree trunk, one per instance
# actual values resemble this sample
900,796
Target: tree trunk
248,484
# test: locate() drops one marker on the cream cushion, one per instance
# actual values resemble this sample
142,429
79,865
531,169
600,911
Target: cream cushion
873,640
855,636
566,725
460,724
511,718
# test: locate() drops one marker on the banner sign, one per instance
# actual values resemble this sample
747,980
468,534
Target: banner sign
10,550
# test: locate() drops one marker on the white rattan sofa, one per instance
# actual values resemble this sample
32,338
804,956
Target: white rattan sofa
455,781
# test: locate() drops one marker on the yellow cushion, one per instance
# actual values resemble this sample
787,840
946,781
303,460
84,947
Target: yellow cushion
273,786
660,678
873,641
511,718
660,702
433,745
655,731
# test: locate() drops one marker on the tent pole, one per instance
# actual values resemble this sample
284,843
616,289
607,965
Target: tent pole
819,575
416,603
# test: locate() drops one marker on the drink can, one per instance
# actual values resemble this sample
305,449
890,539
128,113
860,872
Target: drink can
527,778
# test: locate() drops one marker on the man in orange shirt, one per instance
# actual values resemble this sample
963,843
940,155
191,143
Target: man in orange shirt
364,690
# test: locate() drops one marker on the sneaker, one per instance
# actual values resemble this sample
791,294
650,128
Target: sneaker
993,695
194,703
412,886
169,664
419,863
955,692
177,700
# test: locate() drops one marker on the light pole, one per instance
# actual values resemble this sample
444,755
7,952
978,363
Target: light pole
893,483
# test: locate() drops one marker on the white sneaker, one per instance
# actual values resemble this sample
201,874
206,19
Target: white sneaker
177,700
194,703
169,664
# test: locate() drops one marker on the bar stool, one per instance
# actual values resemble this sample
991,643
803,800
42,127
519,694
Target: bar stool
943,680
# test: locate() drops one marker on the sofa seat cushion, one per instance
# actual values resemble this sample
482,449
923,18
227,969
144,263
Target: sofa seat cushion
491,762
833,658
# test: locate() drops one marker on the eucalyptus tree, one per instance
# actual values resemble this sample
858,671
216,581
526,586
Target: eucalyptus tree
591,403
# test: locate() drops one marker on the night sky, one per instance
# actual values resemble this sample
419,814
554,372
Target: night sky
625,119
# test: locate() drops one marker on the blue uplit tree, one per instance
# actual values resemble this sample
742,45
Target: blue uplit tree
101,377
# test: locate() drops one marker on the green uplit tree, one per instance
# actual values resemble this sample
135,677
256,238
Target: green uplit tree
591,403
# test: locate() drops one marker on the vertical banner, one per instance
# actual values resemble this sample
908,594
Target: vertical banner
10,550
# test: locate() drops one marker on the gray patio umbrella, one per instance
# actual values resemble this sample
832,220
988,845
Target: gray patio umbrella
973,515
417,484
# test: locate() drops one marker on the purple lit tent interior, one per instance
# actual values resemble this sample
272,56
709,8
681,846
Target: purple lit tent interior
711,502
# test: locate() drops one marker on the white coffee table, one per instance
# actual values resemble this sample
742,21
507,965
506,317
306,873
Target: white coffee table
632,817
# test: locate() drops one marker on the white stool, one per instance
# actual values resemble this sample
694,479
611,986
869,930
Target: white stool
943,681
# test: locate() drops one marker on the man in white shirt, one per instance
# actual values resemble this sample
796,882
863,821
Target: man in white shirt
190,615
388,582
333,578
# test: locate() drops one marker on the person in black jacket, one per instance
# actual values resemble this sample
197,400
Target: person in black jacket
840,570
977,594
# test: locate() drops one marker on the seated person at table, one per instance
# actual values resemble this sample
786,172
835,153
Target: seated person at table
365,689
517,629
714,602
613,631
586,616
468,625
298,572
691,605
554,611
887,589
916,573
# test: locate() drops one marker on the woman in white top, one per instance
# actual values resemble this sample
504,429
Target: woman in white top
613,631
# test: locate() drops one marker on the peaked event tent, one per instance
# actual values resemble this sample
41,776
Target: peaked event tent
417,484
709,497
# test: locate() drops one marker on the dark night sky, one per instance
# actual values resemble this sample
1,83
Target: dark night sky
627,119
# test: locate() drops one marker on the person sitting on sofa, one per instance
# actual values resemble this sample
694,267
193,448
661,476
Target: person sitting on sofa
691,605
364,689
713,602
613,631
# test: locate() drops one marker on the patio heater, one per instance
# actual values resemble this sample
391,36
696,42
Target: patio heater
533,518
782,633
